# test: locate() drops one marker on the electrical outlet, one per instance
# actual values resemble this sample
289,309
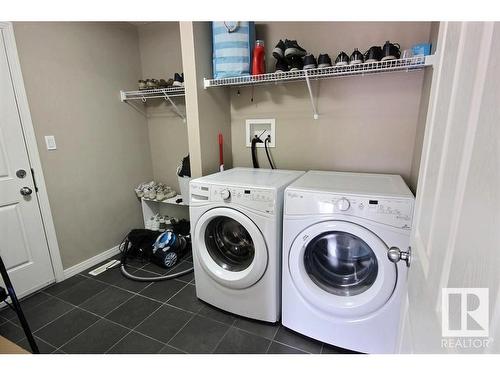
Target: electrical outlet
261,128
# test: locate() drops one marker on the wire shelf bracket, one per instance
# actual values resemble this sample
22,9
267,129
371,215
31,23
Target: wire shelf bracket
161,93
176,109
313,104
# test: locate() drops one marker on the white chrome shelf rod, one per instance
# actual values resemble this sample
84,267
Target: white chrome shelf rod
313,104
143,96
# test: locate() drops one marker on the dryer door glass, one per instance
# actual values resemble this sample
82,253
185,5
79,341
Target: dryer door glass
340,263
229,244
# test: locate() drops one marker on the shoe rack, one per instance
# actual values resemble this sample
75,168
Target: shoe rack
397,65
168,207
143,96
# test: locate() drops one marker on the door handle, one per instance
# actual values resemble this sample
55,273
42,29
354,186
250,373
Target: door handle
25,191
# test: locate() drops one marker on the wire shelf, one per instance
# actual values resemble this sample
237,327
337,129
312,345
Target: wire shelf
160,93
172,200
406,64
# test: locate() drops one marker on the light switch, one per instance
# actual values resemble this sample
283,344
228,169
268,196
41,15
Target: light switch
50,141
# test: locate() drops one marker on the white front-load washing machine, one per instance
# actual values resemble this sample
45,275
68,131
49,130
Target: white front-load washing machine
236,227
346,253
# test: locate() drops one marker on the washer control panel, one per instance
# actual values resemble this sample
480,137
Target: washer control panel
391,211
257,199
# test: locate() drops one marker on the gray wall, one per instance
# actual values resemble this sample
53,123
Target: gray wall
73,73
160,51
367,124
422,115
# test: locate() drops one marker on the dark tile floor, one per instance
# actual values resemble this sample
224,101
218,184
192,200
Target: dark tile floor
111,314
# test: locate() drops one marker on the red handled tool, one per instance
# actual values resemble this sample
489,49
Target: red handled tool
221,153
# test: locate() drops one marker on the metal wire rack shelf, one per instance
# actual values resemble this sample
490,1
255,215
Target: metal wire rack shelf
159,93
407,64
397,65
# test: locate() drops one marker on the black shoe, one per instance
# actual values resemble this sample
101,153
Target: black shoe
310,62
163,84
356,57
178,80
391,51
296,63
293,49
374,54
281,66
279,50
342,59
324,61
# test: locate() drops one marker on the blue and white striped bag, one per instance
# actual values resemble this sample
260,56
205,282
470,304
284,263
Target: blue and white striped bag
232,43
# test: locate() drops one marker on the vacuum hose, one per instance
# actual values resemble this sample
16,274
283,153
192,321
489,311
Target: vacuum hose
155,278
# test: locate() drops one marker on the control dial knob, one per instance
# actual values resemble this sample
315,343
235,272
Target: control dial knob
225,194
343,204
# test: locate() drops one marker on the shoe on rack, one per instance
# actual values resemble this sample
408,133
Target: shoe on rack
324,61
142,85
178,80
296,63
342,59
279,50
356,57
310,62
155,222
373,55
160,194
163,84
149,193
293,49
152,83
281,66
139,191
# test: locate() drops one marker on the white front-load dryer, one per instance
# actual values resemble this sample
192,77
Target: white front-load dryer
346,240
236,227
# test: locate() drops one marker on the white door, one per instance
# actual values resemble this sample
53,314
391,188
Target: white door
230,248
23,246
456,238
342,269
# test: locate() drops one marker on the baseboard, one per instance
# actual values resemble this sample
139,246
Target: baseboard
77,268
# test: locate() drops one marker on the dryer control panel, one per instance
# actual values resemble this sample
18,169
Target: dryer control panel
396,212
256,199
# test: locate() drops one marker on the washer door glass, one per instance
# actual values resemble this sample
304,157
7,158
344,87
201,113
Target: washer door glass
340,263
229,244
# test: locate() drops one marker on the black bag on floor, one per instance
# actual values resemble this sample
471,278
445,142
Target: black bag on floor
165,249
139,243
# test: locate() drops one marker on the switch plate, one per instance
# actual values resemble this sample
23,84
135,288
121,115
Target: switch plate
50,141
262,128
